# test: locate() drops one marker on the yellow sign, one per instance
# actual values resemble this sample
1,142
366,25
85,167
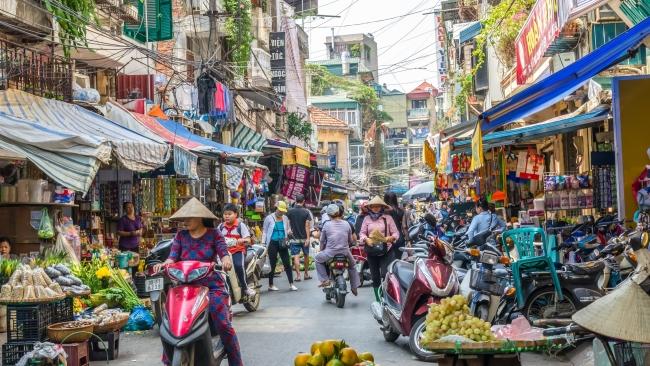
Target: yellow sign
477,148
444,157
428,156
288,157
302,157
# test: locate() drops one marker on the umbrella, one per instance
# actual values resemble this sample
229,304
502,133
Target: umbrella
421,190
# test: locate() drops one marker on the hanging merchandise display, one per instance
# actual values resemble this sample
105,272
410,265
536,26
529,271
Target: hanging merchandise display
530,165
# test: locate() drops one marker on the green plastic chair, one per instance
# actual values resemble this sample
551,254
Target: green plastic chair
528,259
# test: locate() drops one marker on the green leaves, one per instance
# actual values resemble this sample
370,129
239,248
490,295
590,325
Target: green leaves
73,17
298,127
238,33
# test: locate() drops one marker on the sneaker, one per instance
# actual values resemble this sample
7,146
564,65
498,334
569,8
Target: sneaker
273,288
250,292
293,288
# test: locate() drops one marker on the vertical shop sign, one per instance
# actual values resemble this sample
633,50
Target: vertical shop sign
543,25
278,63
477,148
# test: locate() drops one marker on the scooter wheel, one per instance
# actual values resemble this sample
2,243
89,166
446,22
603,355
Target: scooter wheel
340,299
389,335
415,344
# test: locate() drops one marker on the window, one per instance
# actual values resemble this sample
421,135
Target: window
346,115
396,157
418,104
320,147
332,148
357,161
605,32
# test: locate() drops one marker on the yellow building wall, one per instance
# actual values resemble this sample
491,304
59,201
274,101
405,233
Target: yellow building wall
631,134
326,136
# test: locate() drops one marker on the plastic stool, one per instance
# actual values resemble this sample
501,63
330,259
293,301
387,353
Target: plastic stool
77,354
98,351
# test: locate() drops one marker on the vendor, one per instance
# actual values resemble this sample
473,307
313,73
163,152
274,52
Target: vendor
129,228
5,249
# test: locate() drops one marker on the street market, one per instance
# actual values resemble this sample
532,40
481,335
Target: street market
342,183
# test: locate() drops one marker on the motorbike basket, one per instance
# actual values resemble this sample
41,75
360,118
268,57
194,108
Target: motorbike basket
482,280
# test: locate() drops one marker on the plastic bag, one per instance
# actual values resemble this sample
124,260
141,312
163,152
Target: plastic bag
140,319
45,228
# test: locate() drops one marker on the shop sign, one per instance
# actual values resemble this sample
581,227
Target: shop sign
278,62
543,25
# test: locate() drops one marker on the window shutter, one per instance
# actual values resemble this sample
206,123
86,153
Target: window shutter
605,32
159,14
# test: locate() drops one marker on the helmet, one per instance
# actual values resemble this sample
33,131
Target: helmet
332,209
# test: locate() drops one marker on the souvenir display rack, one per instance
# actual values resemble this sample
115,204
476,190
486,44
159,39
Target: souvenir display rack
568,193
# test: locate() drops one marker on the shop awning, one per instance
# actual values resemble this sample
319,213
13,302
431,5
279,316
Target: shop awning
133,150
279,144
538,130
247,139
470,32
335,187
558,85
204,145
68,158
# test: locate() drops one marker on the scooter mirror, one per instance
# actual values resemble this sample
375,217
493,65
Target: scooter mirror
645,238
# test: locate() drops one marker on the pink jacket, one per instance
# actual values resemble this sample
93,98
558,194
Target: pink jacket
369,225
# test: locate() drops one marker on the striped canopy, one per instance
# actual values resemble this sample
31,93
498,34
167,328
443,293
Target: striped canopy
133,150
247,139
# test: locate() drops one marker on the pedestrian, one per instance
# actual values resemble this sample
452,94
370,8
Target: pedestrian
5,249
238,237
300,220
363,212
199,243
377,220
336,238
483,221
129,228
275,234
397,214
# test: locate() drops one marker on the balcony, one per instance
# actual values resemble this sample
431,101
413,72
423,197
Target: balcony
24,14
260,67
120,9
418,113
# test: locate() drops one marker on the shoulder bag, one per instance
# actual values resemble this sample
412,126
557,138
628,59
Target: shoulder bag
378,249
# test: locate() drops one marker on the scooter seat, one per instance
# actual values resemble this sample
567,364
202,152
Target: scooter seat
404,272
250,255
585,268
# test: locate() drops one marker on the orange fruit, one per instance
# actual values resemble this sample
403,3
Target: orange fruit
349,356
301,359
316,360
335,362
366,356
315,348
328,349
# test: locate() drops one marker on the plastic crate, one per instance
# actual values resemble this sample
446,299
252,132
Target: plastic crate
28,323
485,280
139,282
62,310
631,354
77,354
109,347
13,352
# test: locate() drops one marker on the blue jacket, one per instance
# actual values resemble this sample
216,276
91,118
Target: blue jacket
484,221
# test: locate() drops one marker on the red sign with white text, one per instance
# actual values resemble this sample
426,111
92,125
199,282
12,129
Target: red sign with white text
537,34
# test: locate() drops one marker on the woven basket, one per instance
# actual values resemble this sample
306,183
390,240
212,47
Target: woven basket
111,327
57,334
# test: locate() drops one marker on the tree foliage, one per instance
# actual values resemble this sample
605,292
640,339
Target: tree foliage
298,127
73,18
239,33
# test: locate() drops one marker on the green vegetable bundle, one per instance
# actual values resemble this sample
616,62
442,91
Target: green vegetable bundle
130,298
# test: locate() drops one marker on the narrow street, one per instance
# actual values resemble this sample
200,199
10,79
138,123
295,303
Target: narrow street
288,322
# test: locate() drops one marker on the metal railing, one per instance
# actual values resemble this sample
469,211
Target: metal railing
418,113
35,72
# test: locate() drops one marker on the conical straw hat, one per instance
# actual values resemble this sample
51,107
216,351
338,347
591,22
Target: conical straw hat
377,201
622,314
193,208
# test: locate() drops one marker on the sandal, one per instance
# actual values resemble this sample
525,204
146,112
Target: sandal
297,279
308,277
324,284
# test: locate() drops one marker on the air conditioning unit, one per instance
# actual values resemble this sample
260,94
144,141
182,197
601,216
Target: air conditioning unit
562,60
606,14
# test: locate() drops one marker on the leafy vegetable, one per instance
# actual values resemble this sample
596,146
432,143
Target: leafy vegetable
131,299
8,266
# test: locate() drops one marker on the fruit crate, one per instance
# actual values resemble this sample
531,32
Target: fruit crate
62,310
28,323
13,352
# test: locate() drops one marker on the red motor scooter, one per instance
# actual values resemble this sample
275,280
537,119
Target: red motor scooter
410,286
361,260
186,330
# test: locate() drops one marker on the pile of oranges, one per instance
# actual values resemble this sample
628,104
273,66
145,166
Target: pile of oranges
333,352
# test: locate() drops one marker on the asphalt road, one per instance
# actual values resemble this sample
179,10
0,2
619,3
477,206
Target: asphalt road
288,322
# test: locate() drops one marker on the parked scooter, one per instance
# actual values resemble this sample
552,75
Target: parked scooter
186,331
337,288
410,287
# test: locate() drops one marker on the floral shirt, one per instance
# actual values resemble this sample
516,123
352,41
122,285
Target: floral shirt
207,248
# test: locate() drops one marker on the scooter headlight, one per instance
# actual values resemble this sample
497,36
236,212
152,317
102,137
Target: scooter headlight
176,274
196,274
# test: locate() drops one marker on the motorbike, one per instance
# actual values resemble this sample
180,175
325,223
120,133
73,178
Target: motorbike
156,284
337,288
361,260
186,331
253,265
487,279
410,287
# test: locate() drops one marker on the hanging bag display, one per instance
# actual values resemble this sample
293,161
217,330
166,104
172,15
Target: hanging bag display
45,228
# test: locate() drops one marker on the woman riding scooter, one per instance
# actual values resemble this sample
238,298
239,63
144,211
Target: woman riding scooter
199,243
335,238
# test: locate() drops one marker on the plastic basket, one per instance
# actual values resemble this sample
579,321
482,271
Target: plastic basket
483,280
13,352
631,354
62,310
28,323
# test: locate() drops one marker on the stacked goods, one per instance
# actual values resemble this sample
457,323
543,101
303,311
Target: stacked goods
30,285
69,283
333,353
103,317
451,318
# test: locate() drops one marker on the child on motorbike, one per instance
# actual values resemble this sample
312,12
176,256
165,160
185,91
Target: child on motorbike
335,238
238,237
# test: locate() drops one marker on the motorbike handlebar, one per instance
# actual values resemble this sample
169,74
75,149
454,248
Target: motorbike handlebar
573,328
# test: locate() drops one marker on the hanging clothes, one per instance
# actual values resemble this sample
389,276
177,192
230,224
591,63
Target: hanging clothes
206,88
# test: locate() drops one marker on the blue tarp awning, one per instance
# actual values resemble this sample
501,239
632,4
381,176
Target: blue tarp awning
470,32
207,146
538,130
558,85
